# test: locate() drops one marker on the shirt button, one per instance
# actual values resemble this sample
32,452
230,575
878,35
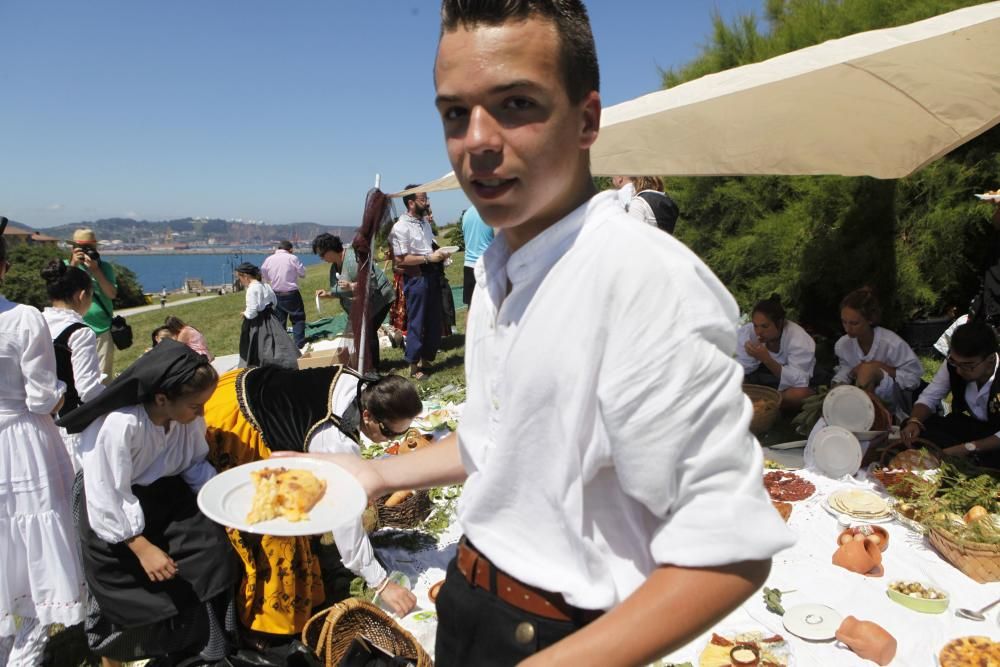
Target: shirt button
524,633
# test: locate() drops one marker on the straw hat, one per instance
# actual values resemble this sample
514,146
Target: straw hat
85,237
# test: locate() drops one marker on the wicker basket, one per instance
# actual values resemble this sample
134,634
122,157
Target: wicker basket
766,403
330,633
981,562
408,514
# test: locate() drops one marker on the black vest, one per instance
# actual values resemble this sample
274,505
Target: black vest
64,367
960,407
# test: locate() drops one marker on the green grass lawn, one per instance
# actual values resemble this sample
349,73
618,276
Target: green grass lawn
220,318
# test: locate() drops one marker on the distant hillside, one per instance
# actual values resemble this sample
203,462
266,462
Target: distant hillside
198,231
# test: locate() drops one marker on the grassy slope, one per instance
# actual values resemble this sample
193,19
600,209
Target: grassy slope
219,319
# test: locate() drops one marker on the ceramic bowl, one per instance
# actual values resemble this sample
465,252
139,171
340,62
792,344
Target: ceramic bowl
923,605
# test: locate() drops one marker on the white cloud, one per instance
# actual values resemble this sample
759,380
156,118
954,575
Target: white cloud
54,207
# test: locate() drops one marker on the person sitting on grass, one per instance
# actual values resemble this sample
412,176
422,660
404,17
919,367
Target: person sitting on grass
187,334
874,358
285,579
972,428
776,352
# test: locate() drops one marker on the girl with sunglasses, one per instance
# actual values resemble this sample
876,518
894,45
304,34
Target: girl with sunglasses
256,411
972,428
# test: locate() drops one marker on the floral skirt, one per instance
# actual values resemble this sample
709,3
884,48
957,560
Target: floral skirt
281,579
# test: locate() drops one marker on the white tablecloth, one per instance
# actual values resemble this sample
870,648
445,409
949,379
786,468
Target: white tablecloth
805,568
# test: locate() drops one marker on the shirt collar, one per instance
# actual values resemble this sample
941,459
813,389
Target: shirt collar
409,218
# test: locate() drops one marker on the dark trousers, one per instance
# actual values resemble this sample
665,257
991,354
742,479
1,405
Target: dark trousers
423,317
958,428
468,284
290,306
372,340
475,627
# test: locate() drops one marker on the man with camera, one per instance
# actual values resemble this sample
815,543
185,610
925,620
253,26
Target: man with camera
102,275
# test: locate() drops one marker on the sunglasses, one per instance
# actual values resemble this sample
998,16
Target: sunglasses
965,365
389,433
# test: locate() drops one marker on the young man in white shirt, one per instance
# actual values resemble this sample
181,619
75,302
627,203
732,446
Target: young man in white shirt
613,506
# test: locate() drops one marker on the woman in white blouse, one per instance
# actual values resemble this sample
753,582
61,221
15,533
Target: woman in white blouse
263,339
71,291
161,574
874,358
777,352
41,581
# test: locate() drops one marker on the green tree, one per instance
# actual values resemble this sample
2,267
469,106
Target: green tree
130,292
23,283
921,242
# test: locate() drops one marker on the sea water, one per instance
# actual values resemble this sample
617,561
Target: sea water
156,272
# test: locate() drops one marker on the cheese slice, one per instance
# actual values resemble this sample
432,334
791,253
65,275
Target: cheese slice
280,492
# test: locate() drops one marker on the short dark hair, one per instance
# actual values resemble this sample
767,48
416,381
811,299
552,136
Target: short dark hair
63,281
285,244
771,308
974,339
577,53
865,302
325,243
155,335
410,197
391,397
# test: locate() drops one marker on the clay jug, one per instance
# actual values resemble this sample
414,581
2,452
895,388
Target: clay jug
862,557
869,640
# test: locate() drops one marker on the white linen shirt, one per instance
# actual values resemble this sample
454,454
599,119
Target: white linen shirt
410,236
977,398
355,548
888,348
124,448
28,380
797,354
259,296
605,429
83,345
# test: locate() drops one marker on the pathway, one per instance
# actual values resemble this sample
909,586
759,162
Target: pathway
125,312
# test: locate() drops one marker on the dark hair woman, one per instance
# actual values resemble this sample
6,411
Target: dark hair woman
263,339
41,580
776,352
256,411
873,357
154,562
71,292
187,334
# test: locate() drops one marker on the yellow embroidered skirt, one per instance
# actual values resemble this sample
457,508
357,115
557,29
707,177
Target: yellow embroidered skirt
281,579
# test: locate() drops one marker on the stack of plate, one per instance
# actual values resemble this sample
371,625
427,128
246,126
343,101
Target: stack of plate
835,451
849,407
859,504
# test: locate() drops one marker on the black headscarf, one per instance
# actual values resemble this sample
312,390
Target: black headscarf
168,365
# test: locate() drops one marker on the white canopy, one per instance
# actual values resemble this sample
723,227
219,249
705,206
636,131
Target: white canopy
882,103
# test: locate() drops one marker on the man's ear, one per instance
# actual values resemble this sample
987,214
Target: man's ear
590,112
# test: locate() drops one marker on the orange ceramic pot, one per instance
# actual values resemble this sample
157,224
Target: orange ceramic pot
862,557
869,640
883,535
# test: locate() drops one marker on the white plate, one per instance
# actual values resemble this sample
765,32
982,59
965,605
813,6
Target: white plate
815,622
226,498
836,452
849,407
450,249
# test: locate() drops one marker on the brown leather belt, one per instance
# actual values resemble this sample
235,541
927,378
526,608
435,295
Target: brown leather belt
479,571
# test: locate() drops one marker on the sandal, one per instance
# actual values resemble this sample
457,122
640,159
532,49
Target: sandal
419,376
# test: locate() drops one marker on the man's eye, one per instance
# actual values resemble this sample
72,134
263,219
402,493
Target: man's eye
453,113
519,103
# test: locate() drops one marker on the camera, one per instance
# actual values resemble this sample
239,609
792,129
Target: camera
89,251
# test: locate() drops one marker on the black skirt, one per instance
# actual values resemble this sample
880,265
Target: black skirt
206,563
264,342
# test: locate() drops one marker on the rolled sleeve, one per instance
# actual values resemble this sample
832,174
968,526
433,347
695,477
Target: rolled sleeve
801,360
678,422
399,239
939,387
86,365
748,363
909,370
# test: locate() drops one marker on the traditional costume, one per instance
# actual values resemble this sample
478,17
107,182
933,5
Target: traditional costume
263,339
41,582
252,413
890,349
140,478
796,354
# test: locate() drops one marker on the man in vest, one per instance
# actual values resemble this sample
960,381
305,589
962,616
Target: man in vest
969,375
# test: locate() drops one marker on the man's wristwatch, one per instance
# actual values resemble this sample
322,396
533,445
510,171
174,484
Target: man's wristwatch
970,446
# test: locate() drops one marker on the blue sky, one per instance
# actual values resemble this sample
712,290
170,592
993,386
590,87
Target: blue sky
253,109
